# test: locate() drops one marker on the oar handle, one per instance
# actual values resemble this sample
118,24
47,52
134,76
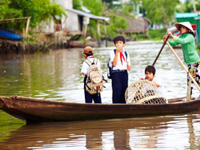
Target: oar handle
160,51
183,66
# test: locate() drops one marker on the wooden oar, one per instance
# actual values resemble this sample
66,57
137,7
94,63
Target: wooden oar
183,66
160,51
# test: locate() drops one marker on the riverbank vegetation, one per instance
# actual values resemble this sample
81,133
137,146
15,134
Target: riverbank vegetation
38,11
153,35
99,8
157,12
163,14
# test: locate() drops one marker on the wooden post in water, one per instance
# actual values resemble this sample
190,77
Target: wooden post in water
27,25
188,97
84,34
105,32
85,31
98,33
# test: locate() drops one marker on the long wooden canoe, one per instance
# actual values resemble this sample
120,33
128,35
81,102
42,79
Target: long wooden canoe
39,110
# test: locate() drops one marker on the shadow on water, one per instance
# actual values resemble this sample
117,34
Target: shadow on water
164,132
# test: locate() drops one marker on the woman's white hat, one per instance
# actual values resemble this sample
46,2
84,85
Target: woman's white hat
185,24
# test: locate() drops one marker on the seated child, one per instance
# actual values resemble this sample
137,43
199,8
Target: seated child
150,76
150,72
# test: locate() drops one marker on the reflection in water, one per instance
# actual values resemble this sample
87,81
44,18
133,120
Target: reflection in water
194,140
7,125
56,76
94,141
152,132
121,139
40,75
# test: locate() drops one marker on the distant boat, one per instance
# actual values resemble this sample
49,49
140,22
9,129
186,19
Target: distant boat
80,44
8,34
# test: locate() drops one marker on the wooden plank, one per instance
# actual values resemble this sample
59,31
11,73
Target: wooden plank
13,19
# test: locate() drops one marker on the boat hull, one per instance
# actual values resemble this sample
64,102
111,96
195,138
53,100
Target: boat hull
38,110
10,36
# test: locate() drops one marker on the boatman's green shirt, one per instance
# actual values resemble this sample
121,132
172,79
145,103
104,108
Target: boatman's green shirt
188,46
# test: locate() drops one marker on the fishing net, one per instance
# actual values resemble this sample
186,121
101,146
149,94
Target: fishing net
144,92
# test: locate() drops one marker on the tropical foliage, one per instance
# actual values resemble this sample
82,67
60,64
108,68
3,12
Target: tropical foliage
158,11
188,5
38,10
116,22
77,4
8,12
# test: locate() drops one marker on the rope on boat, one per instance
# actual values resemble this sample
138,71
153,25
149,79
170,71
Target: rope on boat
144,92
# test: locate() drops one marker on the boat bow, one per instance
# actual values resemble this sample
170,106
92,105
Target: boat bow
1,102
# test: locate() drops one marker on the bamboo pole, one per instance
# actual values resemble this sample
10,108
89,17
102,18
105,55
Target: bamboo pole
177,57
160,51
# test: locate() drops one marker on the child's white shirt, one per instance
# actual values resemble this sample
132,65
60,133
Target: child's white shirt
119,65
85,66
160,88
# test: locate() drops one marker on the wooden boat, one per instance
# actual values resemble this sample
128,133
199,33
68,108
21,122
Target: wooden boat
39,110
8,34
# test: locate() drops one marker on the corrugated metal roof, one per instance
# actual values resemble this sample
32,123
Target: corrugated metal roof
85,9
81,13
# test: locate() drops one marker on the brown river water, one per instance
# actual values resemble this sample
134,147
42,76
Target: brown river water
56,76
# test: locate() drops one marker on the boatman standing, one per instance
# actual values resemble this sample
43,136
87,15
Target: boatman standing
120,64
190,55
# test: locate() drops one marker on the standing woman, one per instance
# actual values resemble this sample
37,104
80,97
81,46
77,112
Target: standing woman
187,41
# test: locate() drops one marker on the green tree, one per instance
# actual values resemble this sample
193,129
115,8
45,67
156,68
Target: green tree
92,28
160,11
7,12
189,5
116,21
38,10
96,6
109,2
77,4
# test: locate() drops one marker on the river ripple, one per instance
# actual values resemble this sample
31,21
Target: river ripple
56,76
